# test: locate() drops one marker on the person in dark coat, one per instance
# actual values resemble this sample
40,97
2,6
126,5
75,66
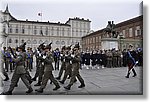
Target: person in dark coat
87,59
131,55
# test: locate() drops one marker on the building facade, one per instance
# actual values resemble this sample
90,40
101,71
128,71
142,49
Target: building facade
16,32
130,32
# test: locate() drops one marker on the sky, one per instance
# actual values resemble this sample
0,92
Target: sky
99,12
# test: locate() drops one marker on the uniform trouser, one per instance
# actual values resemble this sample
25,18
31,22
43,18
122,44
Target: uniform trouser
29,65
37,72
68,71
41,72
62,69
109,63
130,66
15,80
48,75
28,76
114,62
75,73
119,62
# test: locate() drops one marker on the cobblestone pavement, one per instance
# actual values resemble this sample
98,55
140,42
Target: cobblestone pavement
98,81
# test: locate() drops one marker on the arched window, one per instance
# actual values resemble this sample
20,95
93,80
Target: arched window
40,42
57,42
63,42
9,41
22,41
16,41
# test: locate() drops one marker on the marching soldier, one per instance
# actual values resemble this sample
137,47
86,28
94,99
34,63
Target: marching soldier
20,71
48,68
68,63
109,58
75,68
63,63
114,58
40,65
131,61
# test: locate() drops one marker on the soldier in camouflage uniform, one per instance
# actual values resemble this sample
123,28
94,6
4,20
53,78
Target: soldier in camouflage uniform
48,68
75,68
68,64
20,71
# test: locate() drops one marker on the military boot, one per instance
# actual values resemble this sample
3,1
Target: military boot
38,84
6,79
40,90
127,75
81,86
30,90
62,82
67,87
134,73
7,93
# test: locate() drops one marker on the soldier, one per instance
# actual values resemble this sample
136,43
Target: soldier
68,63
93,58
124,53
109,58
87,59
48,68
40,65
63,63
131,54
119,58
114,58
75,68
20,71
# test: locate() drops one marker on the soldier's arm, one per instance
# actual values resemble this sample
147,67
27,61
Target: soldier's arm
18,59
77,58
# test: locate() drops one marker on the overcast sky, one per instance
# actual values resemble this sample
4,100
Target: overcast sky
98,11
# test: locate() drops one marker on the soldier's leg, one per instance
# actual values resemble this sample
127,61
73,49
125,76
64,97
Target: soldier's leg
81,80
36,74
6,65
29,77
41,72
5,74
134,72
54,81
45,79
26,82
14,81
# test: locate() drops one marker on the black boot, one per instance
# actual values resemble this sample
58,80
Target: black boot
33,79
40,90
30,90
81,86
67,87
7,93
56,88
134,73
38,84
127,75
62,82
6,79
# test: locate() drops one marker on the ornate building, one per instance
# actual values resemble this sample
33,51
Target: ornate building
129,32
15,31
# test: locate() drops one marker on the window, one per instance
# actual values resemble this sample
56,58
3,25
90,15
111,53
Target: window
40,42
130,32
9,41
137,31
23,31
124,33
46,31
57,31
52,31
35,31
63,42
10,29
63,31
16,41
22,41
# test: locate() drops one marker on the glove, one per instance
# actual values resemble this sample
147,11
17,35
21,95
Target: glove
73,56
44,57
39,54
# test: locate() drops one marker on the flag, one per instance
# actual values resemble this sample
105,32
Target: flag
39,14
